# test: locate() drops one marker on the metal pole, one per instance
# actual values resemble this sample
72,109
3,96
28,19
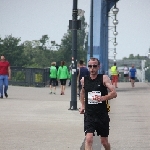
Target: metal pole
91,30
73,102
143,70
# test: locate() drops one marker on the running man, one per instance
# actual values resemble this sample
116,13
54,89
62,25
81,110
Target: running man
93,97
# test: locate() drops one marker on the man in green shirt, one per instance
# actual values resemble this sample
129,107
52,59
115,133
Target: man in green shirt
53,77
63,75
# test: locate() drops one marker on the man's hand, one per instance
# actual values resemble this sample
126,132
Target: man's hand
81,110
9,78
99,98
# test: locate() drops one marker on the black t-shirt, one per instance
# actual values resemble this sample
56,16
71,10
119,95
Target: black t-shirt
83,73
95,87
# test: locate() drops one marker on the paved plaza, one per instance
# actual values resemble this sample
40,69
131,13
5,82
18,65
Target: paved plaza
33,119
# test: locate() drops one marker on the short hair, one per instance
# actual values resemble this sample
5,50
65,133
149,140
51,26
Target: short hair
94,59
81,62
53,63
62,63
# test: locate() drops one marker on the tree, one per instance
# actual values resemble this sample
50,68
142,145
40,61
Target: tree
131,56
12,50
65,51
43,41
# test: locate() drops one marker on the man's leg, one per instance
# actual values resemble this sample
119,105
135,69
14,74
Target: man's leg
6,85
54,86
113,80
50,85
104,141
132,82
88,141
1,85
116,80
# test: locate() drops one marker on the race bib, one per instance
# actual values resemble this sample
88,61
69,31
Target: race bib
92,97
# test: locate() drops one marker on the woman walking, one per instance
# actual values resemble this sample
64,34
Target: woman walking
63,75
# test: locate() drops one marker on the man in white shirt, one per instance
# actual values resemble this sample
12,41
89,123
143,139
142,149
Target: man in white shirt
126,73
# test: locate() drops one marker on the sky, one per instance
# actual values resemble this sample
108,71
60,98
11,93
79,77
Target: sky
30,19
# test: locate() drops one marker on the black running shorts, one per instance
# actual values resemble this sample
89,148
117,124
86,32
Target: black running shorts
100,124
52,81
133,78
63,81
126,75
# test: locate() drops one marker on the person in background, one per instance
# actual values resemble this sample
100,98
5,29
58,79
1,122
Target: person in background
63,75
132,75
53,77
126,73
57,70
70,72
114,75
5,75
82,71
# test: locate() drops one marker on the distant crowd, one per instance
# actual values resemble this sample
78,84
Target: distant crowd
129,75
63,73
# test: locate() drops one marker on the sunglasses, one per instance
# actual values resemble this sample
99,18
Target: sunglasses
94,66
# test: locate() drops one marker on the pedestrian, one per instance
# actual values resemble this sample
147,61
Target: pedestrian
126,73
5,75
82,71
70,72
132,75
63,75
53,77
114,74
57,70
93,97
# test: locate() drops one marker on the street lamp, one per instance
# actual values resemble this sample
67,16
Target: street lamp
115,10
115,43
115,22
115,33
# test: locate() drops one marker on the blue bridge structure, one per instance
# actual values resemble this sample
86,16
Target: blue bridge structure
98,36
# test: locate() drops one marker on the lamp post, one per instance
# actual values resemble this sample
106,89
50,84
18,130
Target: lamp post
91,30
74,28
74,25
143,69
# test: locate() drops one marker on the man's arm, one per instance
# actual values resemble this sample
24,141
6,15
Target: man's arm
112,94
82,97
9,72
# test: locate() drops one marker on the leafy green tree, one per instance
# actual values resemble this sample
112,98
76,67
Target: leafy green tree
131,56
82,40
65,51
36,53
13,50
43,41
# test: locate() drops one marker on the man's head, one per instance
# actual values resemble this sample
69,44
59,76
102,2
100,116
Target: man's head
81,63
2,57
62,63
93,65
53,63
132,66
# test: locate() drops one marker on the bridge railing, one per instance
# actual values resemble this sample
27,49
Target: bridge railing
36,77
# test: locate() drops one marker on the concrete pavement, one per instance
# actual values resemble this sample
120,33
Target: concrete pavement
32,119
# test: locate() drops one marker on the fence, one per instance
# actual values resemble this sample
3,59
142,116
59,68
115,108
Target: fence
36,77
